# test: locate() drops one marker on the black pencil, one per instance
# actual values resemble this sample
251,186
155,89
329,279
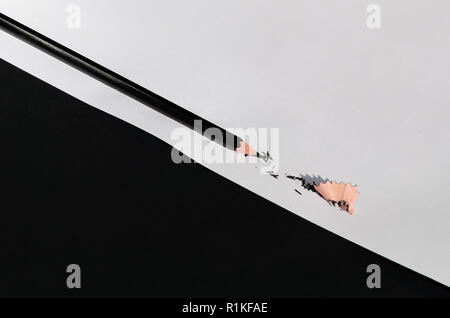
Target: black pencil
124,85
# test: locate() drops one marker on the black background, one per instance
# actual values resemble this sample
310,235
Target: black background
80,186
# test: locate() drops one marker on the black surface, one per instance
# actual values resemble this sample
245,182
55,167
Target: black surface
79,186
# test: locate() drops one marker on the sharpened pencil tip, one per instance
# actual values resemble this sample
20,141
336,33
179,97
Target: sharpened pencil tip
245,149
249,151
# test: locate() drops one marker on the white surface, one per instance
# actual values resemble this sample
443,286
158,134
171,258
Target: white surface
352,104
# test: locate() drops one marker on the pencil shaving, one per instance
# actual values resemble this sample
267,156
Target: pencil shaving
341,194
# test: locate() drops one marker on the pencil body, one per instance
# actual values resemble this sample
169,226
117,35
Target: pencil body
118,82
